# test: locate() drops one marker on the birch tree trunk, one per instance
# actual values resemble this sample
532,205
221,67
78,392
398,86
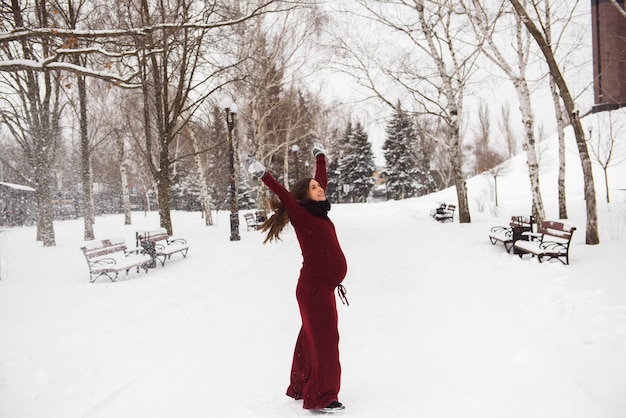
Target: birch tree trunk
124,177
591,237
85,151
454,97
481,23
560,126
560,129
205,200
538,211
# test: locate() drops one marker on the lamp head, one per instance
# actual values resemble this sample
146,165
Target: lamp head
228,105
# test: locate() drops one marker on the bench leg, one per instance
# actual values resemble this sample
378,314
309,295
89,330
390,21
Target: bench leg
562,258
532,255
108,274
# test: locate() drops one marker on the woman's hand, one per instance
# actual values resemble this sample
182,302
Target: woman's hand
254,167
317,149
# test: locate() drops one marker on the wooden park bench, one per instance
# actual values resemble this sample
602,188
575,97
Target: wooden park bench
552,241
159,245
254,220
251,222
260,216
508,235
444,213
108,257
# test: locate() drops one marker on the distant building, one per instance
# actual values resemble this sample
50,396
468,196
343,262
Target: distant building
608,27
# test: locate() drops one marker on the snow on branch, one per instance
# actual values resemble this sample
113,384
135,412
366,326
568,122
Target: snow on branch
24,33
52,62
45,65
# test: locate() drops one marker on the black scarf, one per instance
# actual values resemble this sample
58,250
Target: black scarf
317,208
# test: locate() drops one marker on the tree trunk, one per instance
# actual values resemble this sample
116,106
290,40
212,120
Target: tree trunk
85,151
560,125
606,183
125,186
45,225
459,182
520,83
592,237
205,200
163,191
538,210
286,166
560,128
452,117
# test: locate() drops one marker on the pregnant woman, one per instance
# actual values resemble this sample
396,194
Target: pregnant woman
316,370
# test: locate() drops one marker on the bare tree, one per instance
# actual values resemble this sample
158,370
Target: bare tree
506,129
282,112
153,45
486,156
605,147
560,125
32,111
591,237
433,30
564,20
489,161
205,199
70,14
485,25
560,129
498,170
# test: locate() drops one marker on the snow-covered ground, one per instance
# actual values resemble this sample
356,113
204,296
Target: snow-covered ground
441,323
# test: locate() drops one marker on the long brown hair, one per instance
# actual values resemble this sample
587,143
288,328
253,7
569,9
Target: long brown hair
275,223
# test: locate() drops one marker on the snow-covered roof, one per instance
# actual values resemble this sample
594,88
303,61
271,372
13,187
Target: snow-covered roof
17,186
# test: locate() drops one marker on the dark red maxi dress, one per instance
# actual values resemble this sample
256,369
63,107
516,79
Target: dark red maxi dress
316,371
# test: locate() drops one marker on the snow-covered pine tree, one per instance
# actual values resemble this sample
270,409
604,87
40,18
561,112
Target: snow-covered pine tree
399,150
424,175
245,198
185,194
332,190
356,166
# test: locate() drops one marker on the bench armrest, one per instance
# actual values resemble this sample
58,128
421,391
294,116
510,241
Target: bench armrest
177,241
133,250
106,261
533,235
553,245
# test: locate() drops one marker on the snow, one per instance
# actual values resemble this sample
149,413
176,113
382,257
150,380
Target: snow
17,186
441,323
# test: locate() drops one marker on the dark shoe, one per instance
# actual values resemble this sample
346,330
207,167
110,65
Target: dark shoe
334,406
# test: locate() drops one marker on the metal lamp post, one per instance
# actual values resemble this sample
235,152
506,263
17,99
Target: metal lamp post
230,110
